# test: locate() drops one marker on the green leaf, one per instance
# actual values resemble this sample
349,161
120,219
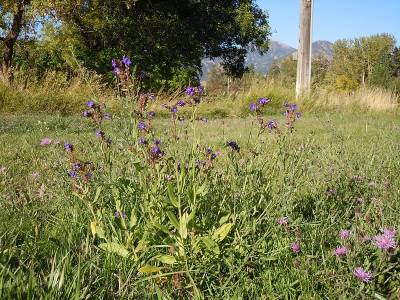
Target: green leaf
224,219
173,219
222,232
210,244
149,269
183,226
133,219
114,248
172,197
167,259
98,192
162,228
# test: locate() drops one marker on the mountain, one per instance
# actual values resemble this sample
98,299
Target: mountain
277,51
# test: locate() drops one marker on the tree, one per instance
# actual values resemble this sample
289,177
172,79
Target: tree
163,37
13,21
354,61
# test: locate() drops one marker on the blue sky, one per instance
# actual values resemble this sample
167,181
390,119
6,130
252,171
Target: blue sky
334,19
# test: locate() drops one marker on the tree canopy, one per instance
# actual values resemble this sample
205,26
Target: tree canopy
165,39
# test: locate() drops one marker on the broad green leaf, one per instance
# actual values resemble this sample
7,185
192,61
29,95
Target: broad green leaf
191,215
222,232
149,269
210,244
224,219
183,226
173,219
133,219
162,228
172,197
114,248
98,192
167,259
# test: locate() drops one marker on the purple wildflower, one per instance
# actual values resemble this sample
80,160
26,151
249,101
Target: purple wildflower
90,104
283,221
340,251
157,142
142,75
295,247
385,241
190,91
181,103
233,145
200,90
344,234
272,124
119,215
72,174
263,101
86,113
293,107
390,232
126,61
77,166
113,63
142,141
69,147
151,114
362,274
99,133
45,142
298,115
142,126
253,106
174,110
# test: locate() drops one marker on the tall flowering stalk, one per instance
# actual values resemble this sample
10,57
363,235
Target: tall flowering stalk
80,171
95,112
291,114
121,71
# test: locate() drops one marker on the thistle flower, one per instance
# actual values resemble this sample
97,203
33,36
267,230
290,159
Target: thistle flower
72,174
200,90
362,275
233,145
86,113
190,91
390,232
45,142
119,215
142,126
77,166
344,234
340,251
68,147
113,63
295,247
90,104
385,241
126,61
272,124
99,133
142,141
283,221
253,106
263,101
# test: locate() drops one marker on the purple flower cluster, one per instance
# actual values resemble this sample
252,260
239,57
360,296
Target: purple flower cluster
362,275
259,104
271,125
233,145
95,112
195,93
119,64
387,240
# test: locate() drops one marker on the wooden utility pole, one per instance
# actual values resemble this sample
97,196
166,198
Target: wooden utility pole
303,82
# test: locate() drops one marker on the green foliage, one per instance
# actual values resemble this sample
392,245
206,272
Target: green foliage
70,245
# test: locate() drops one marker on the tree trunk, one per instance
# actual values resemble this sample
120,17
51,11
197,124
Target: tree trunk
10,39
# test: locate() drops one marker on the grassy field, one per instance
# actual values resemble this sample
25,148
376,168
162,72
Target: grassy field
261,223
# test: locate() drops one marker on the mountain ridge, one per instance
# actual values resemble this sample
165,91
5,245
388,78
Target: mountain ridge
277,51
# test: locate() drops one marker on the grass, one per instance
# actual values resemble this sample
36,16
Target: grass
211,231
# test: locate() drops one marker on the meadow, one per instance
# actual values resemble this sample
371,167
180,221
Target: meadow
144,207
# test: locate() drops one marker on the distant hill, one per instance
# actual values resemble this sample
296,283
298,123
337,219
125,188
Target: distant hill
277,51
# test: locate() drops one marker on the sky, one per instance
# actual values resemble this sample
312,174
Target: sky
334,19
